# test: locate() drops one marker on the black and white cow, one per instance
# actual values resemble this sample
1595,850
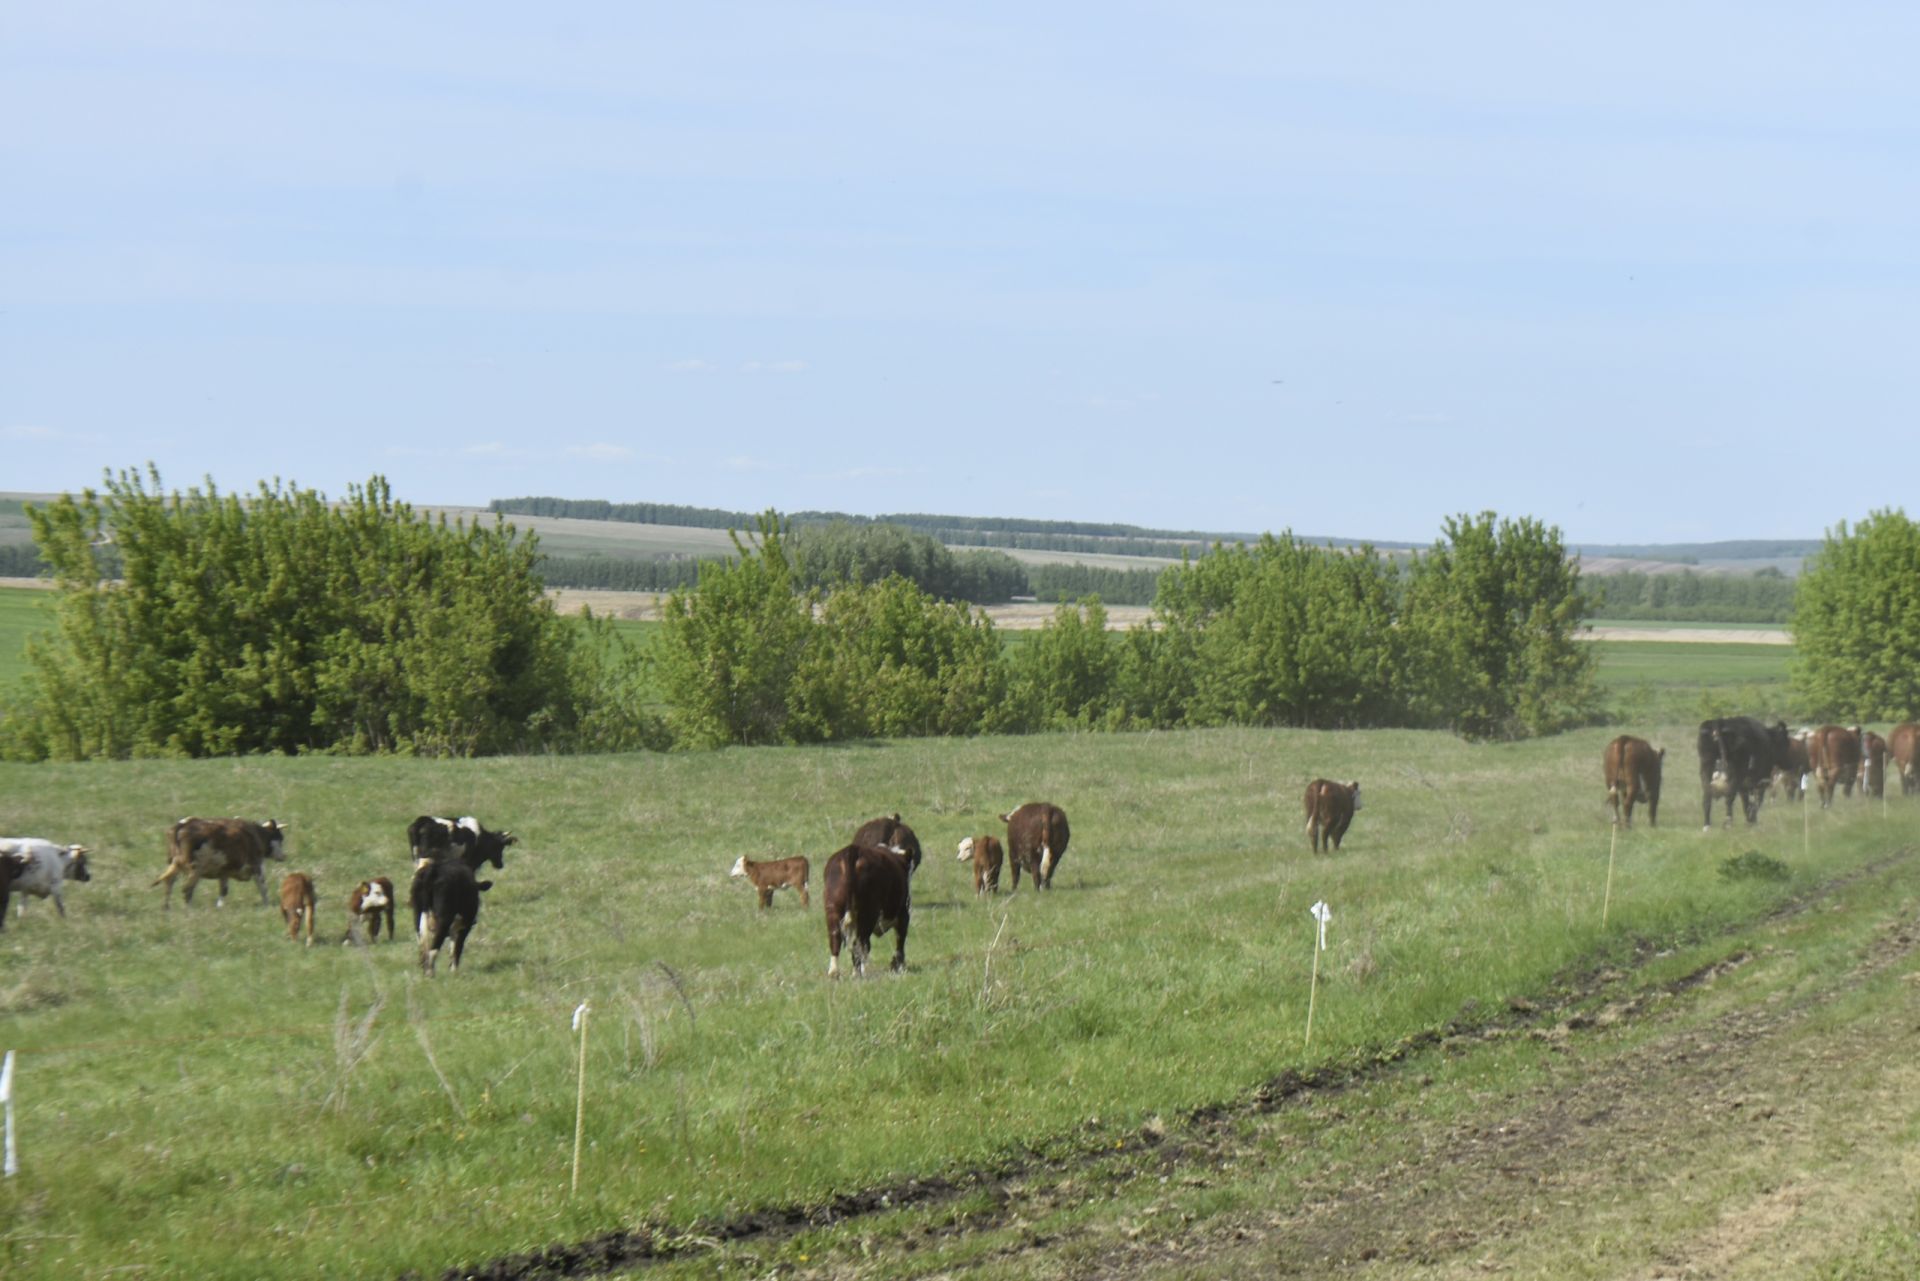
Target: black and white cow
432,837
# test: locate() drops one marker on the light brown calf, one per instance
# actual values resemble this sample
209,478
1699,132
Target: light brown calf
297,901
773,874
1632,768
1903,741
1834,754
986,855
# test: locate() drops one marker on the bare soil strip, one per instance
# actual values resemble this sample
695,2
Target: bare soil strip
1414,1213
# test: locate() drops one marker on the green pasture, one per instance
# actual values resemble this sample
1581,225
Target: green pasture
198,1096
23,611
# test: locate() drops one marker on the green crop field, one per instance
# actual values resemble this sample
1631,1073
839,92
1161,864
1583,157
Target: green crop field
23,611
200,1097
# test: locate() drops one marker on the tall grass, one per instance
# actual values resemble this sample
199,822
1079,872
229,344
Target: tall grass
199,1097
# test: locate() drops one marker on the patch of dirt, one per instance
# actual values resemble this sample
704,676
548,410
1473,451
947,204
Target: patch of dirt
1562,1142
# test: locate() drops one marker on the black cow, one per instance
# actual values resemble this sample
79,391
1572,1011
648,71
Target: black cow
1737,758
431,837
446,901
868,891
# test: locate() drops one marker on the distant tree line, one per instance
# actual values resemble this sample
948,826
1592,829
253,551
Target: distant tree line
20,560
1475,635
1766,597
1070,581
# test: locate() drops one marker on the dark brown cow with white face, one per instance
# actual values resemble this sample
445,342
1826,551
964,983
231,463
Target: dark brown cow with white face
868,891
1330,809
1632,769
1903,743
1036,840
1834,754
227,849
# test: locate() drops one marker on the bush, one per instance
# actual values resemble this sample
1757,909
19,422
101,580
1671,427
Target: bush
1856,622
285,624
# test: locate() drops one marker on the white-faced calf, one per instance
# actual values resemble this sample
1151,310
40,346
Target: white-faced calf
368,902
986,854
777,873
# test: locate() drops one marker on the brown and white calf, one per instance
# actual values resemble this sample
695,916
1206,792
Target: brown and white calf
986,855
41,868
226,849
1036,840
297,904
1834,754
366,904
1631,768
868,891
1903,743
1330,808
776,873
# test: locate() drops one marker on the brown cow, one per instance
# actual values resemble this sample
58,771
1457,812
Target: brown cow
224,848
366,904
297,903
1037,838
986,855
773,874
1632,768
868,891
889,833
1330,807
1903,741
1790,779
1834,754
1873,764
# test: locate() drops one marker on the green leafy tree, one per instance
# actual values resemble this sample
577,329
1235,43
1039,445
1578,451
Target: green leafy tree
730,648
1856,622
201,624
1064,678
1491,615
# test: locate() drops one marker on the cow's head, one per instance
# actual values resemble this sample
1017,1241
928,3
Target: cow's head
966,850
75,860
1354,787
372,897
276,834
739,866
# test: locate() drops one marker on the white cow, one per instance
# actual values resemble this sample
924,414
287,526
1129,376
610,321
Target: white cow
44,867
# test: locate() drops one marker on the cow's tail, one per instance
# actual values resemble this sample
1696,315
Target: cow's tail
1046,862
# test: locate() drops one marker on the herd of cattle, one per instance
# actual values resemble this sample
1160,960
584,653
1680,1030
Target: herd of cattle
868,882
1741,757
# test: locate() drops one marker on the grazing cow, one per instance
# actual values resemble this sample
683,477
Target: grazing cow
42,869
1330,807
1873,764
1037,841
1789,779
986,854
446,900
1903,741
430,837
868,891
227,849
773,874
1632,768
366,904
1737,758
1834,753
297,903
890,833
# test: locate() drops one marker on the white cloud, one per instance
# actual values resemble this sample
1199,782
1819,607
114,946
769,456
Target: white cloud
774,367
600,452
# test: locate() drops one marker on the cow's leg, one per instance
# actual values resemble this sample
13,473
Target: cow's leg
430,934
804,900
766,896
59,900
460,927
186,892
260,875
862,948
900,942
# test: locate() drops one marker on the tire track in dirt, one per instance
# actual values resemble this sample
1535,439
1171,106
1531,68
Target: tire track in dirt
1206,1133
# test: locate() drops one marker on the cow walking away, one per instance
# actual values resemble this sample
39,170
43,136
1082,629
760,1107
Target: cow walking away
867,890
986,855
1631,767
225,849
297,903
889,833
1036,840
1330,808
1738,755
777,873
446,902
1790,778
1834,753
1903,744
11,865
1873,764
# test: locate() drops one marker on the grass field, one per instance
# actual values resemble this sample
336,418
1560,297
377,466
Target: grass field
193,1100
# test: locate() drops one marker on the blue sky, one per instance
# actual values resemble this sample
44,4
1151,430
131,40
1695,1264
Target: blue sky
1647,272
